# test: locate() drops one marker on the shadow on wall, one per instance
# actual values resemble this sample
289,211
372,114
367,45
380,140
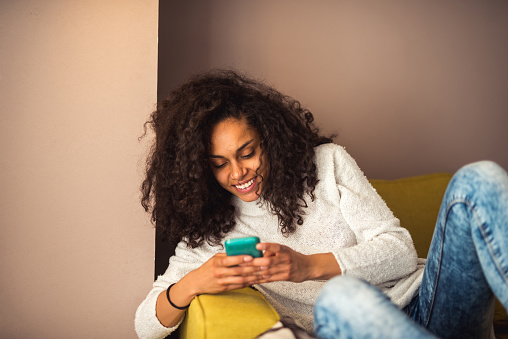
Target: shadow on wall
184,44
410,87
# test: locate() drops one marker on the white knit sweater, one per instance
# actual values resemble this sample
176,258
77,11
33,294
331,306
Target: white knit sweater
347,218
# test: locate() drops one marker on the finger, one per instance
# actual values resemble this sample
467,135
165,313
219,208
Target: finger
269,246
244,270
269,254
276,273
238,280
234,260
236,270
265,279
282,276
266,262
282,272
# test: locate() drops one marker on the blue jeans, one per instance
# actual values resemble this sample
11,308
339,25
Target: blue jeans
467,265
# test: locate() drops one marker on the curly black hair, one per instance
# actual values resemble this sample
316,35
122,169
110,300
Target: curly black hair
180,190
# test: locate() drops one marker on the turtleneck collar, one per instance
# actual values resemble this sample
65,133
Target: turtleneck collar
253,208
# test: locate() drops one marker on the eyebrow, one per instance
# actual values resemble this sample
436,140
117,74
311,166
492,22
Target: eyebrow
238,150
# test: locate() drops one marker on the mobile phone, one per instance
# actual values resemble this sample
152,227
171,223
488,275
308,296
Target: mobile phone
246,246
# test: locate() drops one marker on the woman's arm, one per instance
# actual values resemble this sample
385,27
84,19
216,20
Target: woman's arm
384,250
157,318
219,274
281,263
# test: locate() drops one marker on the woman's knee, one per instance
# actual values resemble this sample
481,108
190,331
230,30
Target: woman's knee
481,182
352,308
343,285
483,172
344,293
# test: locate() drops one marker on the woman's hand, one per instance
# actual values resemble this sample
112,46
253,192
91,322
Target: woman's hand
219,274
281,263
223,273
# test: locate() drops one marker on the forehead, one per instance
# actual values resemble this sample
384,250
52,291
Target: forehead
231,134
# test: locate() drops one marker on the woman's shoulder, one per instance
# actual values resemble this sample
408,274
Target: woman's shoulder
330,151
333,158
328,148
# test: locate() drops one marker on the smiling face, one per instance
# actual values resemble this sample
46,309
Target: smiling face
235,159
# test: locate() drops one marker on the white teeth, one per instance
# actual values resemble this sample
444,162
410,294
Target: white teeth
246,185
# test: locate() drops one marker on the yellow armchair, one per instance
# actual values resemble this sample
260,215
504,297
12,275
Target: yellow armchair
245,313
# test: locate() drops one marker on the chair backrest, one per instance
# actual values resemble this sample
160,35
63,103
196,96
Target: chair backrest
163,251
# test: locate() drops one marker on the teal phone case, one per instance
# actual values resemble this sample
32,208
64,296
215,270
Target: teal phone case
245,246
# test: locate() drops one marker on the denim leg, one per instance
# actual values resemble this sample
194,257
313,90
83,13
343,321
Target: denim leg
468,256
348,307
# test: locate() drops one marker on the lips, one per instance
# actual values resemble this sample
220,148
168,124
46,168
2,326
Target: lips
246,187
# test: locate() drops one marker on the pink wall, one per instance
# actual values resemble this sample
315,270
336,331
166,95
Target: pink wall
411,87
77,81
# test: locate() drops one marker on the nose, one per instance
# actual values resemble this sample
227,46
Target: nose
237,171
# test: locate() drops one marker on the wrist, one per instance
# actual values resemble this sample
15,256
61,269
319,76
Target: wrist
168,297
180,295
323,266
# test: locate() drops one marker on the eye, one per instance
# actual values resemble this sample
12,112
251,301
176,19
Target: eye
219,166
247,156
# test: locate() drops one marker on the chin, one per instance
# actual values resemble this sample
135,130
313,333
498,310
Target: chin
249,198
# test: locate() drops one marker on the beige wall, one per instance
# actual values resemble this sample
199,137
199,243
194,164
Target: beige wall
411,87
77,81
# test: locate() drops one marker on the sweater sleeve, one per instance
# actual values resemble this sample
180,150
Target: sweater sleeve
384,251
146,323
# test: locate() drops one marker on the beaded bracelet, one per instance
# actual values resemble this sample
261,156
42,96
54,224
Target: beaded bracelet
177,307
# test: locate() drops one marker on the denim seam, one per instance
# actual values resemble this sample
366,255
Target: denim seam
490,247
438,269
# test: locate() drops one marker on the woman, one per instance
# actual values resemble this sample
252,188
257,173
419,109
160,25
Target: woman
234,157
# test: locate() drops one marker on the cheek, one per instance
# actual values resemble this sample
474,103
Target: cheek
254,166
265,167
221,178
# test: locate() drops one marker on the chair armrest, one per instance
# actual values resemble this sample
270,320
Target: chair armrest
237,314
